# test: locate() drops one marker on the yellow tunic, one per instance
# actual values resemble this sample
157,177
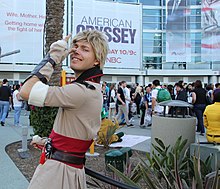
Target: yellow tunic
212,122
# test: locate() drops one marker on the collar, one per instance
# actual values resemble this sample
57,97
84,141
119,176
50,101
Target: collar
93,74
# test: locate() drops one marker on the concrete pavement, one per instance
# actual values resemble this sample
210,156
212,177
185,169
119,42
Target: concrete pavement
12,178
146,145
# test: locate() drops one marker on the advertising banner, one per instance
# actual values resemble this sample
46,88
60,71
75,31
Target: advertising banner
210,30
178,48
21,30
120,22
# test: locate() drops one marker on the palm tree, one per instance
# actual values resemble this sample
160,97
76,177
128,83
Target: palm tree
42,118
54,31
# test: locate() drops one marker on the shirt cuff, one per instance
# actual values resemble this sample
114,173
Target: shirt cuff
38,94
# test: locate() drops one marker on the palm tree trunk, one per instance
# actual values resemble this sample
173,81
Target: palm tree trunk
54,31
42,119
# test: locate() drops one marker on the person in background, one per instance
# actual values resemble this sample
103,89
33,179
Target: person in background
79,116
189,89
170,89
199,102
216,90
150,85
112,104
130,103
17,104
5,99
11,101
122,109
209,89
12,91
181,92
107,91
127,94
212,120
180,95
146,106
137,97
156,109
106,87
105,97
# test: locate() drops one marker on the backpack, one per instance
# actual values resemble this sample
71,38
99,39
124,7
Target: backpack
163,95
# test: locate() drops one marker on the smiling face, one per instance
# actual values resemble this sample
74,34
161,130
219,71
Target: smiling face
82,57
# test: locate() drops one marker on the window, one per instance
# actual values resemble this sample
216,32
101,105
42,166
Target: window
152,42
152,26
195,36
194,25
152,2
149,35
194,2
194,19
151,12
152,62
147,19
196,50
152,50
196,43
195,12
127,1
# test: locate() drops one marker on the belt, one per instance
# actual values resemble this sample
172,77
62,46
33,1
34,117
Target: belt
67,158
213,135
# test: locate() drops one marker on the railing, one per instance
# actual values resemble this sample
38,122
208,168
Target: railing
9,53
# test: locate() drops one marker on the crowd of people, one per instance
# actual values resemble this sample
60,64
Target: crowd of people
10,100
123,101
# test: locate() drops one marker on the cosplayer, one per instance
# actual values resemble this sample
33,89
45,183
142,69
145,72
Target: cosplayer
80,103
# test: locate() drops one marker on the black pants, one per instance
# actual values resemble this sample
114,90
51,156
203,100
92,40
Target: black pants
142,115
138,108
130,115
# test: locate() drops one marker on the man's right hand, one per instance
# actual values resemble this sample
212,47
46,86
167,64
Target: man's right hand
59,49
38,142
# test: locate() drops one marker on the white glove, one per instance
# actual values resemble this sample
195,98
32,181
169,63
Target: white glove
37,140
59,51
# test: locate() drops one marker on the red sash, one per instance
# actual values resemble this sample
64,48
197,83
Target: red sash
74,146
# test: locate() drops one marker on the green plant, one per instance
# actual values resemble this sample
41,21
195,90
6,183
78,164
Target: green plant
170,167
125,178
42,119
166,161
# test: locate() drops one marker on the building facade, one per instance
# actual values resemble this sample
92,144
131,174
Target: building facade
154,45
163,41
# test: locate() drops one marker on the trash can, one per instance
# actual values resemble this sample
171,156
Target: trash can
169,127
118,158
